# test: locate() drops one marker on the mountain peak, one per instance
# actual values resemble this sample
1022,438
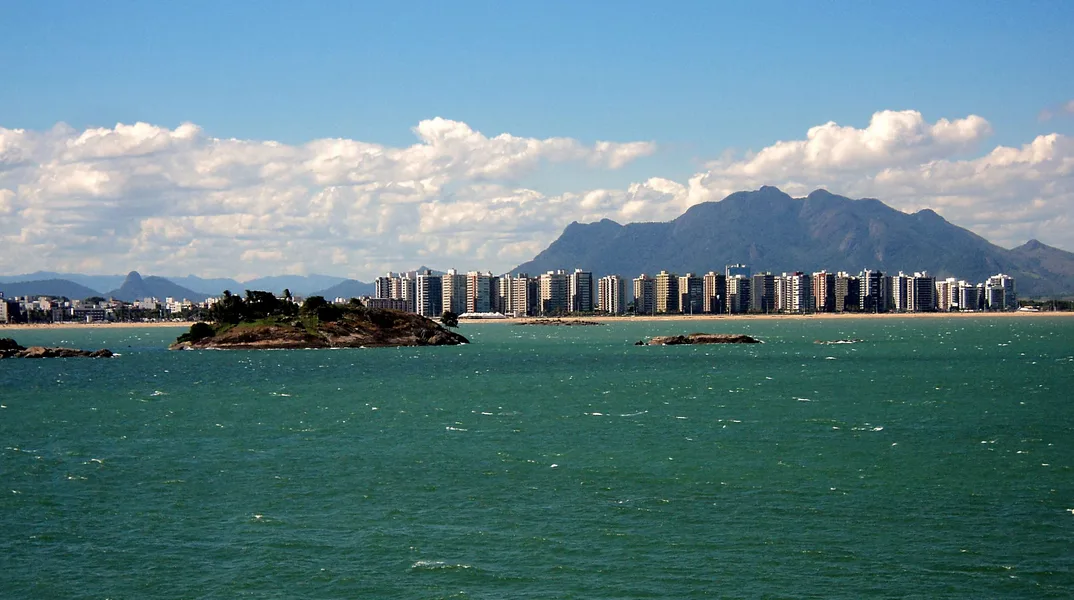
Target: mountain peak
132,278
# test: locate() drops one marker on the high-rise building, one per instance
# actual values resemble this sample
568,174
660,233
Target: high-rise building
611,294
793,293
900,292
762,293
691,294
730,271
666,288
847,292
521,301
429,294
478,292
580,291
553,293
738,294
873,293
714,299
921,295
644,295
824,291
1000,293
407,291
382,286
453,290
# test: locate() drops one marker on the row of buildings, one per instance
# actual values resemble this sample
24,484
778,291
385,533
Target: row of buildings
50,309
735,290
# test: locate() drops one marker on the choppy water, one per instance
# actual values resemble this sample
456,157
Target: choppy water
934,459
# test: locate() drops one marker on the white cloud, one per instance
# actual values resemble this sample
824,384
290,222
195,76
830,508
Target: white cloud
177,200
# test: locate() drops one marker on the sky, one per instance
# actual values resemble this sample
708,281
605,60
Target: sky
256,138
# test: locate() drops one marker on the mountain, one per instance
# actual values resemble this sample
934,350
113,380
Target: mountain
48,287
211,287
96,282
770,230
135,288
348,288
299,285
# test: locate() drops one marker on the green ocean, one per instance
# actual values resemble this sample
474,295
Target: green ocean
933,459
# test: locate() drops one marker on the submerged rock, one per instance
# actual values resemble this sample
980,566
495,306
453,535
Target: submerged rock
703,338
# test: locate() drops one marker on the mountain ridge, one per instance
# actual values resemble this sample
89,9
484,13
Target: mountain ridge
770,230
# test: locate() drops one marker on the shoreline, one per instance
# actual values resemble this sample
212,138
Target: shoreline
747,317
597,319
116,325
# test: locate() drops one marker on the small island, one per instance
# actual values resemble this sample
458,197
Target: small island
559,322
263,321
9,348
700,338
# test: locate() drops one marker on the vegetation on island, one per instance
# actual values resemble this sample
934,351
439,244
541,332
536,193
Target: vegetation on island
263,320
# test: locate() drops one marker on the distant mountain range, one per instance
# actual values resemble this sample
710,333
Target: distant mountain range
771,231
135,287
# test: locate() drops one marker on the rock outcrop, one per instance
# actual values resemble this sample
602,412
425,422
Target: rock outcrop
368,328
11,349
703,338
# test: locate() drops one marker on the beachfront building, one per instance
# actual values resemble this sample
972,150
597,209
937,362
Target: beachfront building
644,295
762,292
453,292
824,291
429,294
714,293
738,294
580,292
691,294
666,289
552,291
1000,293
611,294
478,292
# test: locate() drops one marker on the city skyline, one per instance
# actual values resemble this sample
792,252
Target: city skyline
183,142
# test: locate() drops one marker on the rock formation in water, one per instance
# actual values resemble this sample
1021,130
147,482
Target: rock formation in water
352,327
703,338
9,348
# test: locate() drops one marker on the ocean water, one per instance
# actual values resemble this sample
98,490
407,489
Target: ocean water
932,460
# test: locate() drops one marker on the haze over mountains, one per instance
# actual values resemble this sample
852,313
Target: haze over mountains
771,231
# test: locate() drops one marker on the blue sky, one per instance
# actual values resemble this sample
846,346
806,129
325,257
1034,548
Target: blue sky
700,79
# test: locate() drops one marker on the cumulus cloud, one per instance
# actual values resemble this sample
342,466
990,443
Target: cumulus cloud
174,201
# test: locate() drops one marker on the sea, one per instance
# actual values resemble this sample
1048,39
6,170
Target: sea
934,458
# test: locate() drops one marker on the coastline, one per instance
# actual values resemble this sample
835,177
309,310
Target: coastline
598,319
116,325
747,317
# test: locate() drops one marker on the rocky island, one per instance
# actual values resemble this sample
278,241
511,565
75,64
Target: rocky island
559,322
700,338
262,321
9,348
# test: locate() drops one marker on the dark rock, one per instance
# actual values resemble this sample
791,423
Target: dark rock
703,338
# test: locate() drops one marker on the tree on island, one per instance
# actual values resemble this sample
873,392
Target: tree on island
449,319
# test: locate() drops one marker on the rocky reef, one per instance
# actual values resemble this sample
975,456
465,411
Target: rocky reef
350,328
701,338
9,348
559,322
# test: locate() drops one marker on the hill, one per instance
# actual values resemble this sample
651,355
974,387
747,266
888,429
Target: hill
299,285
135,288
48,287
770,230
348,288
